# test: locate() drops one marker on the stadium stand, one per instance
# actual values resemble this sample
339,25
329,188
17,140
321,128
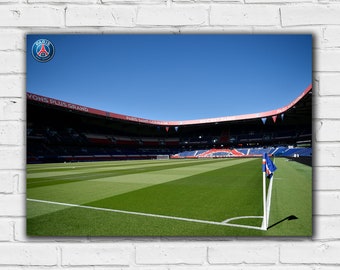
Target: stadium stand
247,152
64,133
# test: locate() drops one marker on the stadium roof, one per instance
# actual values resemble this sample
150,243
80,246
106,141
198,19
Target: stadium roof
300,109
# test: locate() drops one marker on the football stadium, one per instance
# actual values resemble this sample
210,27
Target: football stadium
97,173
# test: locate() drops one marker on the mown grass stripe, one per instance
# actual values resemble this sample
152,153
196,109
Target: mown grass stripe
214,195
33,169
100,188
52,179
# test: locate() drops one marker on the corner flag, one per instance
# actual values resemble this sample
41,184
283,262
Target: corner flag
267,165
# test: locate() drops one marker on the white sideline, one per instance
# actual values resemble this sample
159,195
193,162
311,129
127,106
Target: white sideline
223,223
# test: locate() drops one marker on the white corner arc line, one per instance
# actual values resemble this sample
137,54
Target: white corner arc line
243,217
146,214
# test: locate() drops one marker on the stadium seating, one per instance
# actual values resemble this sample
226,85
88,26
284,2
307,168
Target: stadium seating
58,144
246,152
296,152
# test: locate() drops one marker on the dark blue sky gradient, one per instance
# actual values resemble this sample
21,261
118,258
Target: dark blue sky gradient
174,77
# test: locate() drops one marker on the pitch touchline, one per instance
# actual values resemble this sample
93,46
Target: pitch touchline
223,223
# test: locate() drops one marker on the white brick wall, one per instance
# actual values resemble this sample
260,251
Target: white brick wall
175,15
171,254
239,252
101,16
320,17
97,254
31,16
264,15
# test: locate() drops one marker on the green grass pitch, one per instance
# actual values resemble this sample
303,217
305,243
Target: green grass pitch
208,197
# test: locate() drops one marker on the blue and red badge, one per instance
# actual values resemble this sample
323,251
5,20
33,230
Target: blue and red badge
43,50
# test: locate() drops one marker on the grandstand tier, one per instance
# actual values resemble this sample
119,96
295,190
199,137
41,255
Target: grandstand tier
247,152
72,132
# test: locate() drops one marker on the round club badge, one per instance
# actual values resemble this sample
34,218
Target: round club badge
43,50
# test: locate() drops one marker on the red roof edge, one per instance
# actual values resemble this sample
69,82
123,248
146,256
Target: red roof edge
80,108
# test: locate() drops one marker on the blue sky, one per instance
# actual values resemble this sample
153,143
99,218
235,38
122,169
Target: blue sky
174,77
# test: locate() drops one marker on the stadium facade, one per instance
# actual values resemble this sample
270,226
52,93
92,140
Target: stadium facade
59,131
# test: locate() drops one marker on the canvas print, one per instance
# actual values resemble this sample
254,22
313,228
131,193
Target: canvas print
169,135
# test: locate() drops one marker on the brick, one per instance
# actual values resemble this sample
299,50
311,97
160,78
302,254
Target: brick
12,182
12,205
12,40
6,230
12,157
19,177
331,37
310,252
174,15
310,15
12,85
11,109
20,230
96,254
9,1
243,253
12,133
315,82
327,60
328,84
327,228
12,62
28,254
202,1
7,182
100,16
327,131
276,1
328,203
132,1
328,154
326,178
158,267
62,1
216,29
326,108
245,267
170,254
31,16
242,15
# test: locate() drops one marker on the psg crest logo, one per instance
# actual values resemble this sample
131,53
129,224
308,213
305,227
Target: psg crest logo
43,50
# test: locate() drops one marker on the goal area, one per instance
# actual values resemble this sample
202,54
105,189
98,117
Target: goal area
162,157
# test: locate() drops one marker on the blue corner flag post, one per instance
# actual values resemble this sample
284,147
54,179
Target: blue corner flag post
268,168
